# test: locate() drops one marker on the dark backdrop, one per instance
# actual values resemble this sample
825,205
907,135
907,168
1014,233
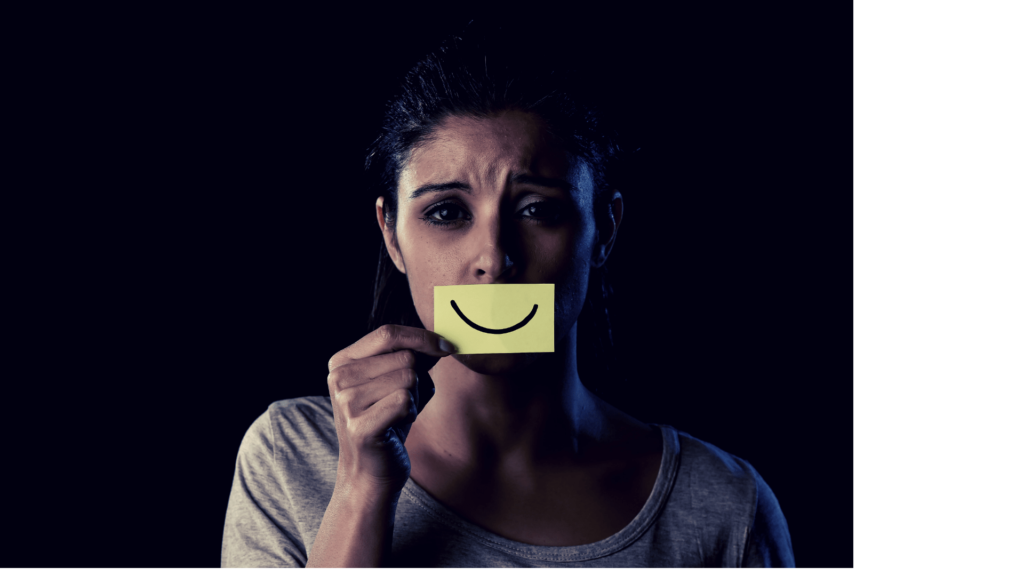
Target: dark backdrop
208,245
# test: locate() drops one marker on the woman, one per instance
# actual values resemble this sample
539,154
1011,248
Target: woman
488,175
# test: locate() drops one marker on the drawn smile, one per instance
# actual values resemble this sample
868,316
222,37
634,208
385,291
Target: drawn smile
476,326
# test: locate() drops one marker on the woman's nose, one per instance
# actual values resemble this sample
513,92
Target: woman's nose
495,269
493,261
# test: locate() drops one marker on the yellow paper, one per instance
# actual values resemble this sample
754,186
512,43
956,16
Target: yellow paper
496,318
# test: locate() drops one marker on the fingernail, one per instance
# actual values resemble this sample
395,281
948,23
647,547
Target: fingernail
447,346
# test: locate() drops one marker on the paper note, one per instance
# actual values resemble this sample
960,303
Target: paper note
496,318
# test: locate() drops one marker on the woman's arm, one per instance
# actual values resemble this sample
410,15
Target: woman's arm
356,530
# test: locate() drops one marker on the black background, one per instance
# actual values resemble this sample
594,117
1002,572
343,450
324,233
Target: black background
203,243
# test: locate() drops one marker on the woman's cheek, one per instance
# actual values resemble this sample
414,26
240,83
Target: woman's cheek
434,268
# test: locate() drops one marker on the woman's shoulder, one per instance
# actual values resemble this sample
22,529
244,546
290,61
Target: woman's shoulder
727,492
295,424
715,478
711,462
307,410
284,477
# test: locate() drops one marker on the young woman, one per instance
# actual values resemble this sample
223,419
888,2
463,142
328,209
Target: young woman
488,174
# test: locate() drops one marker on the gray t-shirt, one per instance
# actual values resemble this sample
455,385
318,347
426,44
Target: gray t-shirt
708,508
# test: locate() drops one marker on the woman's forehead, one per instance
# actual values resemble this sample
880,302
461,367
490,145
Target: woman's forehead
488,150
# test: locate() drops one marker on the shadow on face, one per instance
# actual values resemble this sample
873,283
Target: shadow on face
495,200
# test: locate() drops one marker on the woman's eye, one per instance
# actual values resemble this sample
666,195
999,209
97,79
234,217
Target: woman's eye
546,211
444,215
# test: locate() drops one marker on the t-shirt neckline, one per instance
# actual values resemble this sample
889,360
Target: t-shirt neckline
610,545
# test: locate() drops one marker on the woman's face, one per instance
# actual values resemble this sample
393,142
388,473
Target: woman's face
495,200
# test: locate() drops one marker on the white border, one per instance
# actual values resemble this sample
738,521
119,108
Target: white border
939,262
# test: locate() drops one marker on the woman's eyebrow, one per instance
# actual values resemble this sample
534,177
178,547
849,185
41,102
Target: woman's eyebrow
545,182
517,179
454,185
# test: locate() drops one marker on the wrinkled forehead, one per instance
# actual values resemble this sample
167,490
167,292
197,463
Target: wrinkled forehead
488,150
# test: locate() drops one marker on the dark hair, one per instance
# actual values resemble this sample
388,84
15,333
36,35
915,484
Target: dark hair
479,78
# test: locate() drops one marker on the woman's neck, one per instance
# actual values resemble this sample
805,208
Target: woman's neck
530,417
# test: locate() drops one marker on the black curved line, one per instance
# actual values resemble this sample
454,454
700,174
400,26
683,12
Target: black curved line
491,330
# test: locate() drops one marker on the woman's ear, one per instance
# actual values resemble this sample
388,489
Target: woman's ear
389,237
608,218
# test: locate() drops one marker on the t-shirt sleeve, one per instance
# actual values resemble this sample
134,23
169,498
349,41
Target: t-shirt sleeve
259,530
768,543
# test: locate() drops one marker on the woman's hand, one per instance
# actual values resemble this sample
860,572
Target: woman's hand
373,392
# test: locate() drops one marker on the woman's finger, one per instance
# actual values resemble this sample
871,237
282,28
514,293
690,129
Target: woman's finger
357,372
357,399
397,409
390,338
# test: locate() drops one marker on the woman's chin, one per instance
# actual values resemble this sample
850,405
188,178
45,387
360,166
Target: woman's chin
494,364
